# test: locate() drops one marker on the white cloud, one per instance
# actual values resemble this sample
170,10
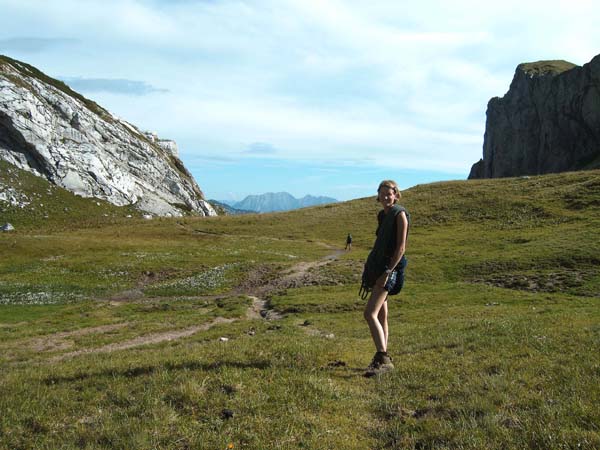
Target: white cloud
344,80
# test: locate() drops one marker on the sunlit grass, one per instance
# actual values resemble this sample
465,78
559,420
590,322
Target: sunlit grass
495,337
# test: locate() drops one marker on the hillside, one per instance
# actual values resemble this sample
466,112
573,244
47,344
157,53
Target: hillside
57,134
247,331
223,209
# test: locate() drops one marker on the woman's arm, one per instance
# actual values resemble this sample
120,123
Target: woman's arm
401,233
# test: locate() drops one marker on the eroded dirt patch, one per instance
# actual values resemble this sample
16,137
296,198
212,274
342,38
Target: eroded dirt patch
62,340
260,283
147,339
555,281
263,280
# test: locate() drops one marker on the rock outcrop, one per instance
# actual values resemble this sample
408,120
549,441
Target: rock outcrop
548,121
53,132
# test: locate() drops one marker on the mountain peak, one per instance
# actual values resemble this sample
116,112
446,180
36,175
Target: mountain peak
50,130
545,123
549,67
279,201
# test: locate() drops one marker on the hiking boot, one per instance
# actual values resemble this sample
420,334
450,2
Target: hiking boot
374,362
381,363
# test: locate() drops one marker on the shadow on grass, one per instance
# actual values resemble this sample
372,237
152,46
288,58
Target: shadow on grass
339,369
352,374
133,372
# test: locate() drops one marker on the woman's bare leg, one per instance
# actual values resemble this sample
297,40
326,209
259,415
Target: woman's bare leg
371,314
383,320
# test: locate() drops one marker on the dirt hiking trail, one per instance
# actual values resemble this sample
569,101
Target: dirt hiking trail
257,288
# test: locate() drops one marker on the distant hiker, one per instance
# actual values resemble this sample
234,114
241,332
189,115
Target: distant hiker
348,242
384,271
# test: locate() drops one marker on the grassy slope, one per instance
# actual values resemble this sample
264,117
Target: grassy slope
544,67
495,336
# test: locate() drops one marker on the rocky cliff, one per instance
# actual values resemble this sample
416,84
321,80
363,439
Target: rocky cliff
548,121
53,132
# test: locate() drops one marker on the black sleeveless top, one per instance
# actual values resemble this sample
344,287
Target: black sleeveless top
391,244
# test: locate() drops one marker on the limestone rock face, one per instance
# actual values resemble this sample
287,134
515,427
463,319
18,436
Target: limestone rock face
548,121
53,132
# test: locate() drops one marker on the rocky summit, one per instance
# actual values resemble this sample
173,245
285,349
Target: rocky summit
548,121
50,130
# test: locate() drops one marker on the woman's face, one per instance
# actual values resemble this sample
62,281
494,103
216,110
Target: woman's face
387,196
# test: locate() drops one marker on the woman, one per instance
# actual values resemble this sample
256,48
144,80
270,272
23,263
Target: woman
385,268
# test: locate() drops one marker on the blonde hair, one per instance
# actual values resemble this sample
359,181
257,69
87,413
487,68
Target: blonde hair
392,185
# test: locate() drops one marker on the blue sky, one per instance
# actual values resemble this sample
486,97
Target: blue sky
320,97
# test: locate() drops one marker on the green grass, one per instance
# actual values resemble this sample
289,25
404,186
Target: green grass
544,67
495,337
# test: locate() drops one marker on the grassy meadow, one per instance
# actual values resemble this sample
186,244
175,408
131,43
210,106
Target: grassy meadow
120,332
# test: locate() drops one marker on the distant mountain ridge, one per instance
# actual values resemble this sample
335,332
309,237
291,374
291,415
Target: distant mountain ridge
279,201
225,208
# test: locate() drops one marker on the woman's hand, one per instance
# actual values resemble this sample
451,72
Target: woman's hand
382,279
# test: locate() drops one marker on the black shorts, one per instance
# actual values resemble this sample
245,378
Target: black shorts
395,281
